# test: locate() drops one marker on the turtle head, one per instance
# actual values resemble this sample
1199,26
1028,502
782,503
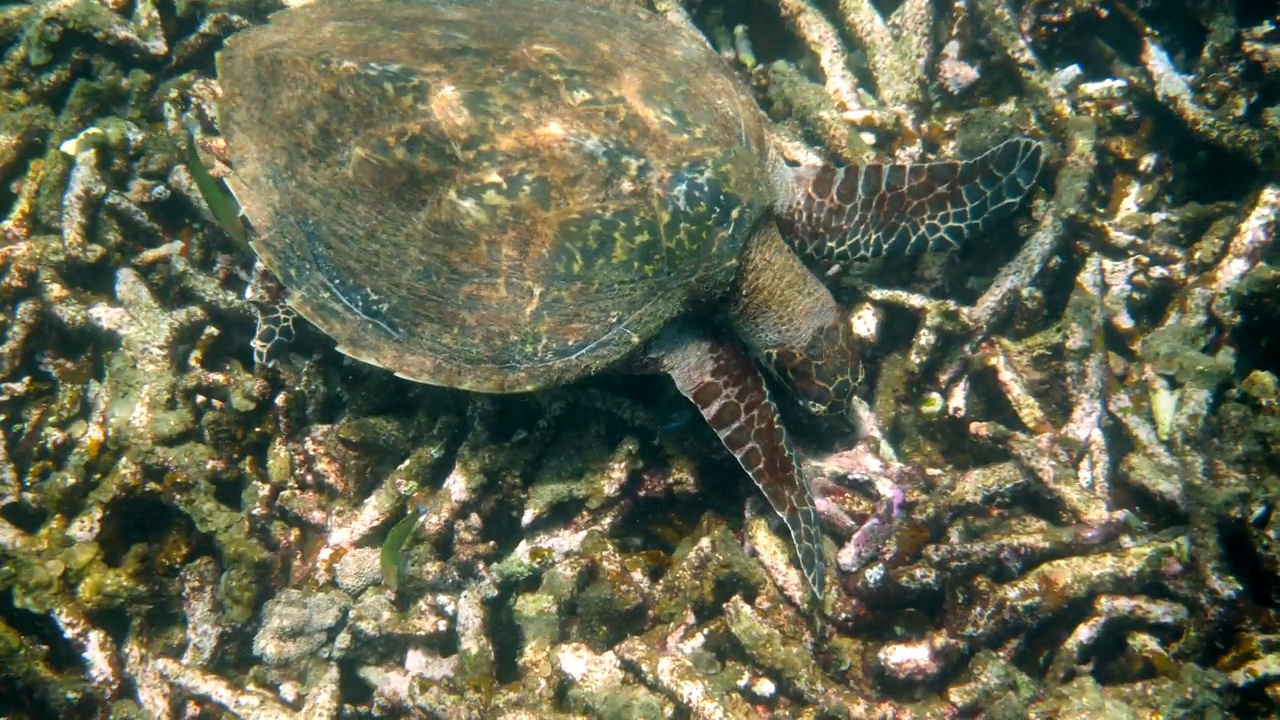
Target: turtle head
823,373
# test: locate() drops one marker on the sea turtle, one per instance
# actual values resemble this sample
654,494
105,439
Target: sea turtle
504,195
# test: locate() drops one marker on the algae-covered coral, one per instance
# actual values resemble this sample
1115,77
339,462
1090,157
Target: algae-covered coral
1063,505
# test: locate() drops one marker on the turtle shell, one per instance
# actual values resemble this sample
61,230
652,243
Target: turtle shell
495,195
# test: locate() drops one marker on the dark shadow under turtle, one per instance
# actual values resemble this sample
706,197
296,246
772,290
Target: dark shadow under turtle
503,195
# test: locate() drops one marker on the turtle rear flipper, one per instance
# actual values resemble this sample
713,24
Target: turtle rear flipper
844,214
721,379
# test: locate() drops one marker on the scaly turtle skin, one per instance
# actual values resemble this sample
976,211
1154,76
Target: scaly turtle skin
502,195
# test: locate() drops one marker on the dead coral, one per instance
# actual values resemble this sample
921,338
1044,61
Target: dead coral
1066,455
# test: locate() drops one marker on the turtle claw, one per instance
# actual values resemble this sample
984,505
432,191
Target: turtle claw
724,383
845,214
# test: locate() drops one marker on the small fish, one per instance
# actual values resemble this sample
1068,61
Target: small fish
390,559
221,202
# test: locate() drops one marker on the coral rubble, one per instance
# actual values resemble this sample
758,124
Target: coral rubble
1062,501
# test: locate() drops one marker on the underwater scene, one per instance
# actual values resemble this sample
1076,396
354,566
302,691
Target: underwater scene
639,359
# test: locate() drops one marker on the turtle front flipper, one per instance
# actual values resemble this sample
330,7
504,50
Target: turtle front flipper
723,382
275,318
843,214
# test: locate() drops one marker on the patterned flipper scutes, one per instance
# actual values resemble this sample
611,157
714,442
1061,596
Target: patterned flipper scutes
276,319
724,383
844,214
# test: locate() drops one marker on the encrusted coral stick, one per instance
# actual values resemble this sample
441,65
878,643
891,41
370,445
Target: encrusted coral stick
1191,314
679,679
1172,90
911,300
97,648
23,321
1152,466
1015,388
475,647
148,333
1003,30
810,104
85,191
1034,597
898,63
10,483
143,37
1243,253
1056,466
824,40
765,645
153,691
775,556
249,704
1086,356
1110,610
594,679
1211,295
